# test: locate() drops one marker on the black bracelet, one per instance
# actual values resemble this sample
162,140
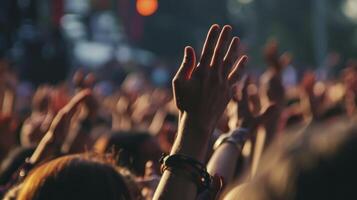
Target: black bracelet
194,170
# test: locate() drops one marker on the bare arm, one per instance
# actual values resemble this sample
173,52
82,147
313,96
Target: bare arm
228,150
201,92
224,161
52,142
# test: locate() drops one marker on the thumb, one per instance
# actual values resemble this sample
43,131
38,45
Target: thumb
187,65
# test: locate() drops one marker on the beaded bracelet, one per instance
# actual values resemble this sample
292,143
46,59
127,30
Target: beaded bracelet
191,168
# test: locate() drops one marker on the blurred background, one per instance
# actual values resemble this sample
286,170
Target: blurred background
46,40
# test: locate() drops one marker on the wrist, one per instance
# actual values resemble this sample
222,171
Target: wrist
188,167
192,138
198,125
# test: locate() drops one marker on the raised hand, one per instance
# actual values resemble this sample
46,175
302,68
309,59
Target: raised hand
53,139
81,81
60,124
308,82
202,90
272,79
316,100
271,54
246,118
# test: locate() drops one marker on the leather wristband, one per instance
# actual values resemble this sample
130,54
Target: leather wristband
191,168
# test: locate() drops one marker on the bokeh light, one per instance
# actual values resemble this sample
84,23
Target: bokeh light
146,7
349,8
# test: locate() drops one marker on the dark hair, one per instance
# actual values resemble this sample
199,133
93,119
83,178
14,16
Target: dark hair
129,148
81,176
13,162
318,164
127,140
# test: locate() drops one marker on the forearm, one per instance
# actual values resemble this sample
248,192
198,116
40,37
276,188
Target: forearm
174,186
227,151
223,161
203,90
186,143
45,150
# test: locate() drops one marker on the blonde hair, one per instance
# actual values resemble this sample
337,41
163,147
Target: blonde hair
81,176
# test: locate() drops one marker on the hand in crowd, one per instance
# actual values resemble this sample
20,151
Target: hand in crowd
202,90
37,124
246,117
308,83
53,140
272,79
137,122
82,81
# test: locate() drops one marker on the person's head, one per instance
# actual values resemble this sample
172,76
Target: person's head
133,149
79,176
318,164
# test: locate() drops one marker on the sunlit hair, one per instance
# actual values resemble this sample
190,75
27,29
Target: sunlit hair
82,176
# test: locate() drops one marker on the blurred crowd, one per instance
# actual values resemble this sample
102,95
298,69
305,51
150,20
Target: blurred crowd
90,137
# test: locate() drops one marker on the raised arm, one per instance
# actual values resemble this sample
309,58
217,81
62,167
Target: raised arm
201,92
51,143
229,146
53,140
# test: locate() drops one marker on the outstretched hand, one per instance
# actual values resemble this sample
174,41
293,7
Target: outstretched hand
315,98
60,124
82,81
246,118
271,55
202,90
55,136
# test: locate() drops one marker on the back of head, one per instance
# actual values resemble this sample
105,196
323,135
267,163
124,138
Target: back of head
133,149
318,164
74,177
